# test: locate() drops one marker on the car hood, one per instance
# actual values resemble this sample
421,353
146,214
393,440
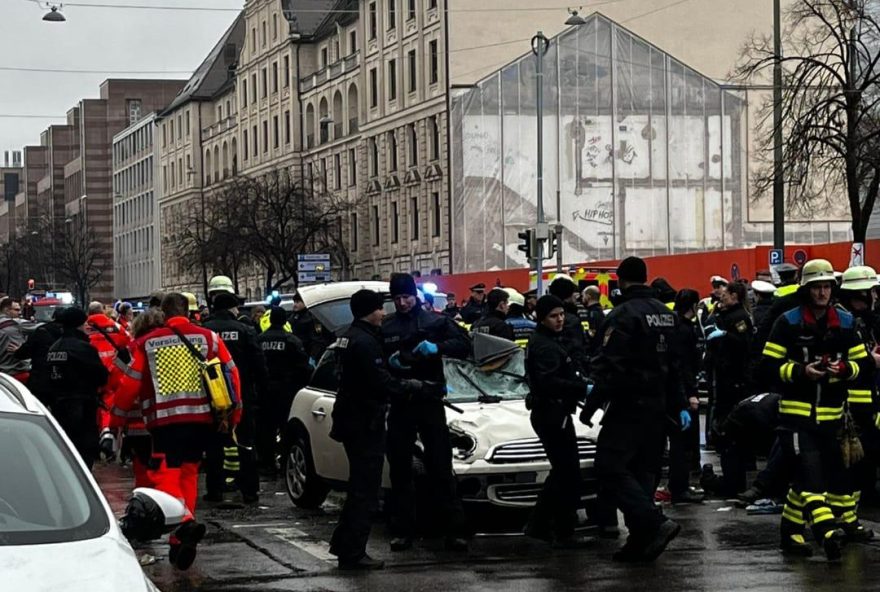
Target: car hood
105,564
496,423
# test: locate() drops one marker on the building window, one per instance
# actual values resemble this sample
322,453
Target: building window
254,140
274,26
189,169
413,70
392,151
436,198
286,71
265,136
171,129
244,97
265,86
134,111
374,158
376,225
275,138
432,4
254,87
264,34
352,42
244,145
414,222
254,40
324,58
372,20
164,177
395,234
337,53
180,171
435,62
354,231
392,15
374,90
173,176
352,168
164,135
411,10
412,141
287,127
392,80
337,172
219,113
274,77
435,138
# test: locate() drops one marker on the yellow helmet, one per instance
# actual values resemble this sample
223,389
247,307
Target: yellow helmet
860,277
817,270
192,303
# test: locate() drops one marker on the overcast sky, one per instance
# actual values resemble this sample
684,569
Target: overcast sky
102,39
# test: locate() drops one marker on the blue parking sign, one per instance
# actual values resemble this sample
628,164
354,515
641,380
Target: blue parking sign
776,256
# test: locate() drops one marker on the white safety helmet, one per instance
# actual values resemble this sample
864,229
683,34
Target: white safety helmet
221,283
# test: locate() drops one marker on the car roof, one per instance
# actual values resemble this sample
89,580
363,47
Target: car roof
14,398
318,293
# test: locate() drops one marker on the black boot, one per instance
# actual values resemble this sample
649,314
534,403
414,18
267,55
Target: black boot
364,563
833,542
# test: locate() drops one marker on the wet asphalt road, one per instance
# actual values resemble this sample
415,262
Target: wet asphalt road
275,546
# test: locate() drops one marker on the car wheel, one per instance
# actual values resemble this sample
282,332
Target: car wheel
304,487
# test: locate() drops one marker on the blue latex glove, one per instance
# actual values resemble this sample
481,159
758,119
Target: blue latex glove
312,362
685,418
394,362
716,334
426,348
589,389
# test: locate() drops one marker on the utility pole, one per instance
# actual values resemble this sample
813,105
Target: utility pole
778,187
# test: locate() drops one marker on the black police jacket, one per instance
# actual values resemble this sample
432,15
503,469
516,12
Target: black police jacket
687,352
752,423
594,316
730,352
472,311
574,338
493,323
286,360
636,370
553,381
35,349
778,306
365,384
74,369
241,341
311,332
403,332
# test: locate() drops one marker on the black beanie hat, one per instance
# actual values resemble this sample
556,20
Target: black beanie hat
402,283
277,317
225,301
632,269
562,288
365,302
545,305
72,317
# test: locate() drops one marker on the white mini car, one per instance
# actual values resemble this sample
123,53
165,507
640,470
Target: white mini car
57,531
497,458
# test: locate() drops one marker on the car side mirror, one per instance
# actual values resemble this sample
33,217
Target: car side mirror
150,513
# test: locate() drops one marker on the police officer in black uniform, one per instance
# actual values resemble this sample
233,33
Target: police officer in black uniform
452,310
555,390
594,316
75,374
574,335
241,341
493,322
636,378
35,350
366,387
476,305
310,331
415,341
289,371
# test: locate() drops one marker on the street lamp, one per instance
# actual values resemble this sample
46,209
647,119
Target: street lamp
778,188
53,16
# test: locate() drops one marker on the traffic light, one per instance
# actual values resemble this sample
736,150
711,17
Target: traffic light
554,235
528,243
31,284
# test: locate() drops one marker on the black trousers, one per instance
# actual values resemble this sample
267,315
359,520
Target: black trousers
224,455
272,414
427,418
366,455
78,419
555,512
682,448
628,460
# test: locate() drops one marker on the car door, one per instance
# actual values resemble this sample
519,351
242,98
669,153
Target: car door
327,454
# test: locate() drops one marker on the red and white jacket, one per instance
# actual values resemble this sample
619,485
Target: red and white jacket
165,379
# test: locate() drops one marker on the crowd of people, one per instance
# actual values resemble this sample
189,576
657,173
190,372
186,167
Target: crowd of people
789,370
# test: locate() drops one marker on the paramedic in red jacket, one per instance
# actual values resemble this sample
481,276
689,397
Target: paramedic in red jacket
165,379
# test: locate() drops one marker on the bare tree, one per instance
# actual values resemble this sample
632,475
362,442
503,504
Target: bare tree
830,107
77,256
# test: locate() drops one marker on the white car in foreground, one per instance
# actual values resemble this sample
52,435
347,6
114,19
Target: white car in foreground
497,458
57,531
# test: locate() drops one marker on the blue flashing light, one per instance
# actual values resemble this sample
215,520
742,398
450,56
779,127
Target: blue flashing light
429,288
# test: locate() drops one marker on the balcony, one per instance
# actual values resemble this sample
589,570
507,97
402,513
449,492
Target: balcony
330,72
219,127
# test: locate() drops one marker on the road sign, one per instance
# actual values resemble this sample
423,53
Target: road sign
314,257
309,278
799,256
775,256
319,266
734,272
857,255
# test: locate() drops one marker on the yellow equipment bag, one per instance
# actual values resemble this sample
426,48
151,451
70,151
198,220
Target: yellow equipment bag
217,383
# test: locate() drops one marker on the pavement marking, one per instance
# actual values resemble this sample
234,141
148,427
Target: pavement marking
263,525
294,536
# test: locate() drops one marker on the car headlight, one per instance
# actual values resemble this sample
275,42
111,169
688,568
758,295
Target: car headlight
463,443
